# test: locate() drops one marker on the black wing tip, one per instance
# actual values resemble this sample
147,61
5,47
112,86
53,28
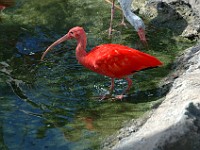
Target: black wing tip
148,68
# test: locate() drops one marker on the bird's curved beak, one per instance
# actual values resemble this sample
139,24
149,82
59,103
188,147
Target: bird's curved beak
142,36
62,39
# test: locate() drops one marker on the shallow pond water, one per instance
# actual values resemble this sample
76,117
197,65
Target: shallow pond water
55,104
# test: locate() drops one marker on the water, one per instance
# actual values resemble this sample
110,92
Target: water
55,104
58,107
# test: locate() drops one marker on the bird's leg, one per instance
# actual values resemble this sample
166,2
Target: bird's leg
110,90
112,15
111,2
126,90
111,18
112,85
123,21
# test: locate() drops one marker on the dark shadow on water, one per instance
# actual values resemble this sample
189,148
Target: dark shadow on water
168,17
148,95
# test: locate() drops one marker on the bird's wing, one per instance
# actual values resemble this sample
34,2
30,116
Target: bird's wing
117,60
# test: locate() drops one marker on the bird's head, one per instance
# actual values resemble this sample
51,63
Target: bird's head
139,26
141,34
74,33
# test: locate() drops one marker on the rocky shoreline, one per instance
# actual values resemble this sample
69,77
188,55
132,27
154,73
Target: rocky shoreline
174,123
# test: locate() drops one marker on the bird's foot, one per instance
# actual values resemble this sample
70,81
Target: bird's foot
110,32
104,97
123,24
119,97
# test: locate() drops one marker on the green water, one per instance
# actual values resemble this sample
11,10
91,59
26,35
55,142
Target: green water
55,104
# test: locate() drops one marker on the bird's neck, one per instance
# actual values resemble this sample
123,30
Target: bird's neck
132,18
80,49
125,5
126,8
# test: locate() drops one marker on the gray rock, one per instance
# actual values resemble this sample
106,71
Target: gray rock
175,124
182,16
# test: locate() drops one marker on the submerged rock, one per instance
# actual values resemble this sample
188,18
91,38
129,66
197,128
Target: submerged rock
175,124
29,44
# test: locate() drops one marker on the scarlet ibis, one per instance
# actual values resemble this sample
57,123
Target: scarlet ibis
132,18
112,60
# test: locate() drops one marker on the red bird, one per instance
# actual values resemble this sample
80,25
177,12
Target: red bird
112,60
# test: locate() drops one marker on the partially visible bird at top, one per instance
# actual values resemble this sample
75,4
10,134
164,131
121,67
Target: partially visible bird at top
2,7
112,60
132,18
6,3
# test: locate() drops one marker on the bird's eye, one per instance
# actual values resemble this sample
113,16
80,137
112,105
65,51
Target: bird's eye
71,32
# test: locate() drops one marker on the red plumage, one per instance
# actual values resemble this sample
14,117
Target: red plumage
112,60
118,61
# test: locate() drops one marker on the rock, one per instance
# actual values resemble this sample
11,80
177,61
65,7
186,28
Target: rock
175,124
182,16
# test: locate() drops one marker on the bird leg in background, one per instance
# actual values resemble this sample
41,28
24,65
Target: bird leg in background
126,90
111,2
113,5
111,18
123,21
